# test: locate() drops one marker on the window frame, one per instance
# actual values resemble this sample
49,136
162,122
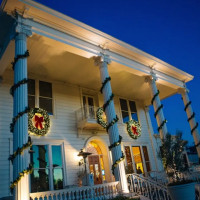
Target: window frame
142,156
37,94
49,144
129,109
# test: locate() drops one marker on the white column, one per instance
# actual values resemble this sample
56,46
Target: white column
158,108
20,103
191,119
119,172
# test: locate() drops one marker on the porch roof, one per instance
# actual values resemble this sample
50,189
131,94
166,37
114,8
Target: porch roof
62,48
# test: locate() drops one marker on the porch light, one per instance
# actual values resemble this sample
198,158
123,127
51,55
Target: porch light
84,155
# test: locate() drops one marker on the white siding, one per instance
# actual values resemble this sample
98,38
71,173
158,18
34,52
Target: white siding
63,128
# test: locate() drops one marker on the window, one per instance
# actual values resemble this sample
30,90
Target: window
129,167
40,96
47,168
146,158
138,161
88,106
128,109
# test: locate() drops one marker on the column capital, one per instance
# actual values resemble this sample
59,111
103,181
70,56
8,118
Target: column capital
103,58
151,77
184,89
22,26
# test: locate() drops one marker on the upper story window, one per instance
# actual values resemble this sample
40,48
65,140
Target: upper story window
88,106
128,109
40,95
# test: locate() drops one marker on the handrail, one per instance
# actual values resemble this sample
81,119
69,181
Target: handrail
101,191
147,187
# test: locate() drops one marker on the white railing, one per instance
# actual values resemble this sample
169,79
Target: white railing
158,176
144,186
102,191
86,112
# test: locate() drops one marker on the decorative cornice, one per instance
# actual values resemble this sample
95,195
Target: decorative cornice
22,25
103,58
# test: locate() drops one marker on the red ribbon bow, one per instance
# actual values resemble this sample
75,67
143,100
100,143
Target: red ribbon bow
134,130
38,122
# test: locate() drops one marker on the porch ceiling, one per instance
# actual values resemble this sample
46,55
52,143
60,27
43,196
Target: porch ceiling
52,60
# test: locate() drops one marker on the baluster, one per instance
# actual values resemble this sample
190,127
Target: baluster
92,193
73,195
147,187
105,192
68,195
151,192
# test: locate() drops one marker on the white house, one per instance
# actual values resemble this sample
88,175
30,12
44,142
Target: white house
66,65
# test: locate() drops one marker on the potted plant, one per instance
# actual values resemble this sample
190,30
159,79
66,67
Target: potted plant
171,152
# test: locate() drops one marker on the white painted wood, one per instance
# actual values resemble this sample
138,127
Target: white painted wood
192,122
20,135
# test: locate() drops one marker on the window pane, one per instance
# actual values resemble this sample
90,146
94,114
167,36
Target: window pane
125,116
31,101
57,179
90,101
123,104
134,116
129,167
56,156
39,158
31,87
138,159
46,104
132,106
45,89
146,156
148,166
40,180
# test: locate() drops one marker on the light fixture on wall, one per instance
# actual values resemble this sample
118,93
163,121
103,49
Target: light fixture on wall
84,155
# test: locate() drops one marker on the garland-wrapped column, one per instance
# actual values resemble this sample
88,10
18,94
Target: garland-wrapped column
191,119
109,108
158,107
19,126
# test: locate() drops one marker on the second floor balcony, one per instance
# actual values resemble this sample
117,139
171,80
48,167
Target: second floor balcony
87,119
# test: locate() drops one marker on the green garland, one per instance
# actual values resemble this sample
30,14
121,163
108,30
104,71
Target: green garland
117,162
160,127
104,83
15,86
100,120
191,117
19,151
32,128
21,174
134,124
155,95
194,128
108,102
115,120
186,106
14,120
25,55
116,143
160,107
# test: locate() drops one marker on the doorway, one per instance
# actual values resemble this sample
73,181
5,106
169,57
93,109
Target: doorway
95,168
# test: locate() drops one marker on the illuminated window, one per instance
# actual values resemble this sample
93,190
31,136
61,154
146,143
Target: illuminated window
129,167
47,168
40,95
139,161
128,109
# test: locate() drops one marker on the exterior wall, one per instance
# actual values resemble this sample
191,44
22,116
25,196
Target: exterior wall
64,131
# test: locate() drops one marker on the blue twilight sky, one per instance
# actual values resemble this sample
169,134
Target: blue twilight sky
167,29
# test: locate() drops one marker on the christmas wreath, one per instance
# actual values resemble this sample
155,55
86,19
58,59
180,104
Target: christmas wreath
134,129
100,120
38,121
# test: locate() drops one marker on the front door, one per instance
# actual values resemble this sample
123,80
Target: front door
94,166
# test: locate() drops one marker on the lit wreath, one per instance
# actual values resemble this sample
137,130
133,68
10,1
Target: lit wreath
134,129
38,121
100,120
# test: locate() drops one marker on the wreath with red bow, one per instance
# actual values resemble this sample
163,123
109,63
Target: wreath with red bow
38,121
134,129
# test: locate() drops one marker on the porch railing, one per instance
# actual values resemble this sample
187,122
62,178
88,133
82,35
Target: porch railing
102,191
86,112
145,186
